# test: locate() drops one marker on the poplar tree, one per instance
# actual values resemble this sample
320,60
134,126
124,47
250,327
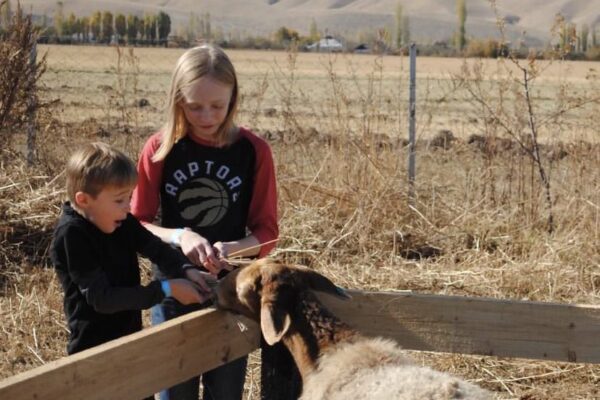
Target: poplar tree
107,26
42,25
192,28
70,25
132,28
84,23
585,32
96,24
200,27
5,15
572,37
405,30
59,19
164,25
399,27
140,27
150,27
461,10
313,31
207,27
120,26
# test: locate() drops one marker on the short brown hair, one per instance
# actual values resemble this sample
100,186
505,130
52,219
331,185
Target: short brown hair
96,166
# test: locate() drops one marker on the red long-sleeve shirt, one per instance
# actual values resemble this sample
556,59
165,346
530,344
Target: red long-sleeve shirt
209,189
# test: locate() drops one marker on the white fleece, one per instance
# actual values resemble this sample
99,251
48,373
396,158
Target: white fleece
377,369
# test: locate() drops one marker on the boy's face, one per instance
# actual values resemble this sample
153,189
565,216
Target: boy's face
108,209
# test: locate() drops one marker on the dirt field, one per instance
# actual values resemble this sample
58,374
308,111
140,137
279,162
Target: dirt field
336,125
81,78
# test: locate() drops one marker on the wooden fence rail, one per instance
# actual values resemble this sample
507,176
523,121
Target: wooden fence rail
143,363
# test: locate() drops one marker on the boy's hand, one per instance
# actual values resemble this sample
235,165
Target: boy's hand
185,292
205,281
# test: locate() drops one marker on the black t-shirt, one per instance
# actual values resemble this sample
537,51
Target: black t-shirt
208,188
100,276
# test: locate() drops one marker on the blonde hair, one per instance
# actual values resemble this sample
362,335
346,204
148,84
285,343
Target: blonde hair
198,62
95,166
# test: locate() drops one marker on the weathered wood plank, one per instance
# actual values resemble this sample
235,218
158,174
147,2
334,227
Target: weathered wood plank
138,365
141,364
468,325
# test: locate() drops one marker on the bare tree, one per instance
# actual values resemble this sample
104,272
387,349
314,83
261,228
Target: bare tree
525,130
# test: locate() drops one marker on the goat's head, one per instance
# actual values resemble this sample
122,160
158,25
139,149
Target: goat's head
266,291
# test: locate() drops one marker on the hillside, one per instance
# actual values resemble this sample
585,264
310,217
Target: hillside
430,20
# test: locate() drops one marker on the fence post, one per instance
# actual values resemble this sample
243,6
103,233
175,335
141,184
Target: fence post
31,106
411,124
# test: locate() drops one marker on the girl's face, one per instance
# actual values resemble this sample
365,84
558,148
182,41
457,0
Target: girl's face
205,105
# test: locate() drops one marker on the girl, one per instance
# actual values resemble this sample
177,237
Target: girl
215,185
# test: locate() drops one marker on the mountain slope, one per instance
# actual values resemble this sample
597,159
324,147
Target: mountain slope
429,19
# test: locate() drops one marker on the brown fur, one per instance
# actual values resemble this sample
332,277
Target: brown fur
268,285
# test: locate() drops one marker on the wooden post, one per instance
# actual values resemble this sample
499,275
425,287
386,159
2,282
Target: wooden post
412,124
31,106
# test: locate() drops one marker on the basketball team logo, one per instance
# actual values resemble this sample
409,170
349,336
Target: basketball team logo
203,202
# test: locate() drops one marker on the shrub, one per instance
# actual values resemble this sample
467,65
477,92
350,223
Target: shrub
18,74
488,48
593,54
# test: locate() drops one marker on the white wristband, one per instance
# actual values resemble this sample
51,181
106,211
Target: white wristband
176,236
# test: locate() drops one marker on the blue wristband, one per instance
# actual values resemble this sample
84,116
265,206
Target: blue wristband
166,288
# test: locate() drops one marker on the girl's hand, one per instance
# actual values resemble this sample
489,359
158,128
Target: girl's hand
205,281
185,292
199,251
222,250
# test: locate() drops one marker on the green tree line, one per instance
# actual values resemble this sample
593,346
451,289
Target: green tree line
104,27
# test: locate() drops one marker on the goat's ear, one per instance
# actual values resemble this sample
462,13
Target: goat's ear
274,322
320,283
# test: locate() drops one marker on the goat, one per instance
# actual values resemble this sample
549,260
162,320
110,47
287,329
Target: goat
335,361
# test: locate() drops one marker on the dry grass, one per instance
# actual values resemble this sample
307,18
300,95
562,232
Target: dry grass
334,126
81,78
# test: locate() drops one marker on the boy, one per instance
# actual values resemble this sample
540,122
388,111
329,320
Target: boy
94,251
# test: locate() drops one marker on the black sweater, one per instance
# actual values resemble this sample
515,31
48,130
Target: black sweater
100,276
